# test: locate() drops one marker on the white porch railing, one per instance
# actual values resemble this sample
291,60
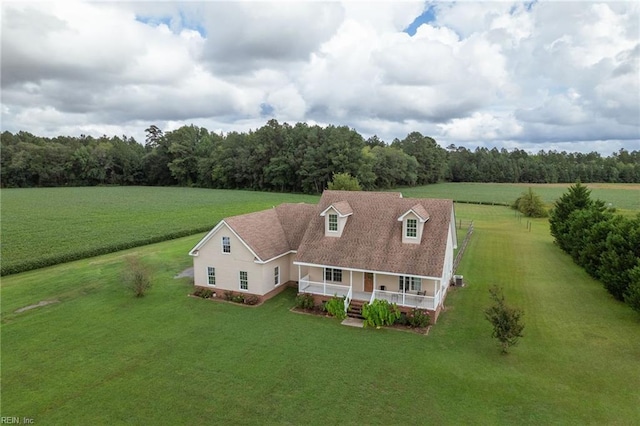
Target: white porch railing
324,289
406,299
347,299
402,299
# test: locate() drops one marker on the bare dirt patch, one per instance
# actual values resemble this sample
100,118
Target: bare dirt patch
37,305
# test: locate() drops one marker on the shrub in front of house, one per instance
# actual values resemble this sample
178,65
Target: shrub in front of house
380,313
335,307
251,299
418,318
305,301
205,293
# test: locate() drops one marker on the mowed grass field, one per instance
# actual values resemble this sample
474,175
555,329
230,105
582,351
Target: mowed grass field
43,226
100,356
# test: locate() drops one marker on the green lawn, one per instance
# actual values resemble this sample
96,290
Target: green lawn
100,356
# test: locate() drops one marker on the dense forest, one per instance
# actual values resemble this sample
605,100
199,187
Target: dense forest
281,157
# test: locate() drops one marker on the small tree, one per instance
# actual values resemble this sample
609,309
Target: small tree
530,204
506,321
136,276
345,182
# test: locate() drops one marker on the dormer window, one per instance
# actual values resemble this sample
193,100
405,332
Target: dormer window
413,221
333,223
335,218
412,228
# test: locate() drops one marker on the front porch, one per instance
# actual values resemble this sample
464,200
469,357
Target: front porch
404,299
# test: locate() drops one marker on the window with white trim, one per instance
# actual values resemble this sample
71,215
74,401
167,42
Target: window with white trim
211,275
226,245
331,274
276,275
412,228
244,280
333,223
409,284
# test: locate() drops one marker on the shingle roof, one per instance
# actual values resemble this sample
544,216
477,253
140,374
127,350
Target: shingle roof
372,237
420,211
270,233
294,219
343,208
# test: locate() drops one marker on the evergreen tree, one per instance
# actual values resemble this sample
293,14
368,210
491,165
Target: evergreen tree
578,197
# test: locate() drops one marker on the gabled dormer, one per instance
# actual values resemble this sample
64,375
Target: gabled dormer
335,218
413,221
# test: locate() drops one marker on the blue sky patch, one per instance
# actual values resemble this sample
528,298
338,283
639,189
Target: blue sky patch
266,110
426,17
170,22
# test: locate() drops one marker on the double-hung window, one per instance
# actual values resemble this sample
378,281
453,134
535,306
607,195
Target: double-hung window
412,228
244,280
331,274
211,275
333,223
226,245
276,275
409,284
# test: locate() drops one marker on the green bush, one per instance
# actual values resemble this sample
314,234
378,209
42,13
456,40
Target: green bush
228,295
205,293
335,307
418,318
380,313
402,319
305,301
136,276
237,298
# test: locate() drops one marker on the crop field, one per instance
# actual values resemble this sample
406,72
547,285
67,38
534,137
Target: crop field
44,226
621,196
100,356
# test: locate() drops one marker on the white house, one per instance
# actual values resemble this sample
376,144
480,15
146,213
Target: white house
360,245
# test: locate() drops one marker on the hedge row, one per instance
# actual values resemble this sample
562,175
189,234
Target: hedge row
483,203
28,265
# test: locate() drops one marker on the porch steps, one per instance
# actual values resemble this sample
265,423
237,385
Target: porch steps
355,310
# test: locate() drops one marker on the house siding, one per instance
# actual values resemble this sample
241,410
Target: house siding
228,266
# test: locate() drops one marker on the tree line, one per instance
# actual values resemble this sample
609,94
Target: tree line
605,244
286,158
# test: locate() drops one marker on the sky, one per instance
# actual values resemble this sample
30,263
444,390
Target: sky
561,76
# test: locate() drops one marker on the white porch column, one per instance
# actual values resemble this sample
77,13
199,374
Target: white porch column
351,280
375,284
324,281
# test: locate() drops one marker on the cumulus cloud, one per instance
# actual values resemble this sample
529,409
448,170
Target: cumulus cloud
536,75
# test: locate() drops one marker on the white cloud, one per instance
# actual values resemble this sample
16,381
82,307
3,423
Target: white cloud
543,74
